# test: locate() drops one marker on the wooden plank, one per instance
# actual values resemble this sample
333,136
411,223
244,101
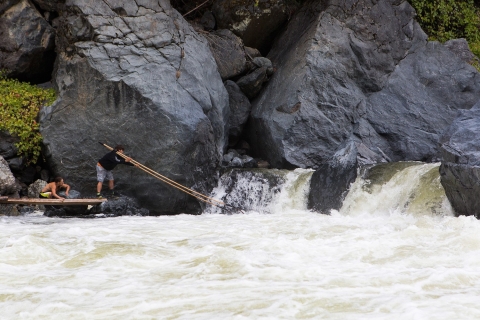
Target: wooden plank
52,202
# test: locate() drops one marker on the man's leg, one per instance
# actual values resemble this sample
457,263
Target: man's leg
101,173
109,177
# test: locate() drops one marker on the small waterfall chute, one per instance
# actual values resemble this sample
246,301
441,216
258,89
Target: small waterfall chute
263,190
403,187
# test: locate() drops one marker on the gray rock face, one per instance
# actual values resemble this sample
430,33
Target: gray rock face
460,168
228,52
27,45
360,74
240,108
421,98
136,74
254,23
7,180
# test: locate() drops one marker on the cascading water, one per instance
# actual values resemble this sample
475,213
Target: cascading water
263,190
403,187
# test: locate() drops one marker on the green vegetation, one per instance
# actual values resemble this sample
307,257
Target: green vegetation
443,20
19,106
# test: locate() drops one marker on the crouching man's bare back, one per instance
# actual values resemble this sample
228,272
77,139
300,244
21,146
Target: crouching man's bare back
51,189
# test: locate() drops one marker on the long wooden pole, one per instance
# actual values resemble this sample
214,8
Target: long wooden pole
170,182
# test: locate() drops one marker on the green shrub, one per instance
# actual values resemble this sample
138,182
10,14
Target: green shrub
19,106
443,20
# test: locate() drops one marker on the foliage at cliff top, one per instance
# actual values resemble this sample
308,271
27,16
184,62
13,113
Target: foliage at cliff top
19,106
443,20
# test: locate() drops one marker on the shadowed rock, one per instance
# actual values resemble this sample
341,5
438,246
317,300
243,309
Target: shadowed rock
50,5
239,111
252,83
27,42
460,169
7,145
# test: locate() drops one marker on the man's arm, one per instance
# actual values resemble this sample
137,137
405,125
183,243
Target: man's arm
128,163
67,187
54,193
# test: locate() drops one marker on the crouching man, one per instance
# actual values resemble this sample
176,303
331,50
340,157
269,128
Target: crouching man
50,190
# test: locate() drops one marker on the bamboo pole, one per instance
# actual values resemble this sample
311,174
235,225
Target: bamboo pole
193,193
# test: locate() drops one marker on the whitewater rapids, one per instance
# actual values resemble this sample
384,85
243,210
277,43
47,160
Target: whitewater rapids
379,257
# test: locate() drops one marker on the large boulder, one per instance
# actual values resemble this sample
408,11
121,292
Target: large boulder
460,168
140,76
228,52
27,42
421,98
359,79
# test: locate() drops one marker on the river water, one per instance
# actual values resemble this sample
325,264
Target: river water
379,257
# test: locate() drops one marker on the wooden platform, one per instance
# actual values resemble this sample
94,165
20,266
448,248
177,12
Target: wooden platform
51,202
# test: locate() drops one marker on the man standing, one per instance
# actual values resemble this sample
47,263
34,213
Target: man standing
106,165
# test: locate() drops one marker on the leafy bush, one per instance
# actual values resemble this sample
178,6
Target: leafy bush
443,20
19,106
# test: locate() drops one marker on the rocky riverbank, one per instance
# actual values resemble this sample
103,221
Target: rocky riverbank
331,86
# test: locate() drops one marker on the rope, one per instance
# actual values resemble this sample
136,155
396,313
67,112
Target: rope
193,193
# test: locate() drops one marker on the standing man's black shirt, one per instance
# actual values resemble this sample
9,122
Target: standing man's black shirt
111,159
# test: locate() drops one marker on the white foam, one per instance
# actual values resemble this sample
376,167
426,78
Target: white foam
291,264
380,257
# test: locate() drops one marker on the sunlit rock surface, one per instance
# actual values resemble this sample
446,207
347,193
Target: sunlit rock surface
136,74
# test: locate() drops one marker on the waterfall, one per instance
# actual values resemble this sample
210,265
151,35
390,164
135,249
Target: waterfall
403,187
263,190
